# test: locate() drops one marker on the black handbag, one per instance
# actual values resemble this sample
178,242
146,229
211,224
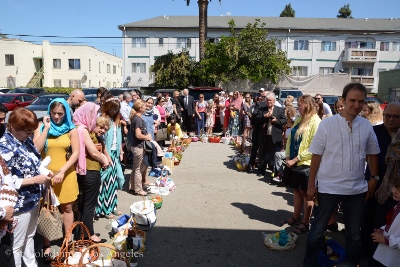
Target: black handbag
148,147
302,169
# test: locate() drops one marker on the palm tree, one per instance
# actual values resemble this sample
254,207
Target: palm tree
203,7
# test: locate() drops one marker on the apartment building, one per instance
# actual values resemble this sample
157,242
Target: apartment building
316,46
25,64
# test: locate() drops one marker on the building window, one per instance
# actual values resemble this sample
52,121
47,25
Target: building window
301,45
328,46
299,70
183,43
99,67
139,67
90,64
114,84
9,60
108,84
11,82
351,45
325,70
90,83
56,63
114,69
396,46
384,46
75,84
139,42
361,71
160,41
108,68
74,64
57,82
367,45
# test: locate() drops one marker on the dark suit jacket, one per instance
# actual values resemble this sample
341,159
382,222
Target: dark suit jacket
190,106
277,128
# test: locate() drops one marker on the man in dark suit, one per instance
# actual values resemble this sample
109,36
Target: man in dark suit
187,108
272,119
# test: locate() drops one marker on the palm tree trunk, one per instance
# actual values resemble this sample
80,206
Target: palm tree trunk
203,7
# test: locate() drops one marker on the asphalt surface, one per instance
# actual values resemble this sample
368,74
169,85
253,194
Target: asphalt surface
216,215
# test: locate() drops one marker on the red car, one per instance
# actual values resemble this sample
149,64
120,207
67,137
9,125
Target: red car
377,99
11,101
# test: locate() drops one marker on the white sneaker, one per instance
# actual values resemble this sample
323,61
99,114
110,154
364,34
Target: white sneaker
277,179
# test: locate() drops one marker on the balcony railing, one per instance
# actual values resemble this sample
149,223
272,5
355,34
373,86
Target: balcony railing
356,55
365,80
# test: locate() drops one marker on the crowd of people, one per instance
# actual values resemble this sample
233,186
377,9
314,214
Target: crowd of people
350,158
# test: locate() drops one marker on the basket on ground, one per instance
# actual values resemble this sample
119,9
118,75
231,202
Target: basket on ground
271,241
109,261
186,140
69,248
158,201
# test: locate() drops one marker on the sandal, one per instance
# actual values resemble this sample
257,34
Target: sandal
47,259
141,193
302,230
294,221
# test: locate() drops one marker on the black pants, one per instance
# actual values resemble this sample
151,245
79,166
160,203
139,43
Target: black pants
187,121
267,153
254,147
6,251
89,188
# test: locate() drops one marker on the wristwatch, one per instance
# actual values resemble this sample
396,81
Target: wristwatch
375,177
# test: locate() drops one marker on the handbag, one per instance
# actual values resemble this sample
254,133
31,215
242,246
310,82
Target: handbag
302,169
161,134
148,147
50,224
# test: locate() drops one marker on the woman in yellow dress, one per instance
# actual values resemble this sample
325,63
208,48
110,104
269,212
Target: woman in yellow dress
58,138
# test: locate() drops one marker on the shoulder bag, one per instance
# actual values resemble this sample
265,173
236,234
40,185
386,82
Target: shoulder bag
148,147
161,134
50,224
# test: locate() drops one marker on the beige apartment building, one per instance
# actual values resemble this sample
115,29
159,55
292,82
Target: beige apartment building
324,52
25,64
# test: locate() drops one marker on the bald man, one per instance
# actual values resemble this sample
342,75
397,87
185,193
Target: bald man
376,213
76,98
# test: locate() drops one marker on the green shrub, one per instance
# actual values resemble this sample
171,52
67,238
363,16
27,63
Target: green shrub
59,90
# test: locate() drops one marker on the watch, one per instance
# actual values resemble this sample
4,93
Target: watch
375,177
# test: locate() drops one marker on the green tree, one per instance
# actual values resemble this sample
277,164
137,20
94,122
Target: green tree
247,55
203,8
345,12
288,11
174,70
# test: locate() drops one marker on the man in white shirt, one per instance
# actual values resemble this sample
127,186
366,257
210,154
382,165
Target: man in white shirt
327,108
125,109
340,148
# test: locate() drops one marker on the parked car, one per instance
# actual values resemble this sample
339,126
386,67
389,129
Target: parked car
117,91
208,92
282,93
330,100
89,91
163,91
4,90
41,104
91,98
32,91
11,101
382,104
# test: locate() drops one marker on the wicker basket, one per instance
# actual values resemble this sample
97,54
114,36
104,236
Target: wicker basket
187,140
68,248
158,204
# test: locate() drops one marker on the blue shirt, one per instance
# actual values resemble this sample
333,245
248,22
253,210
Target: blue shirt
23,160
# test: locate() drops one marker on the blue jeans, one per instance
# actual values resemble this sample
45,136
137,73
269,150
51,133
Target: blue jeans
200,123
353,208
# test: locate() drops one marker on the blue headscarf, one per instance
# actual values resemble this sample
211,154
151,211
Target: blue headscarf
66,126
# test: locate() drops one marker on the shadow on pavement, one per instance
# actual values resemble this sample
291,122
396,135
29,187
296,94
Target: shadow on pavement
263,215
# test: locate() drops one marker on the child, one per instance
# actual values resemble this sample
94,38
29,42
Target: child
210,116
388,236
174,128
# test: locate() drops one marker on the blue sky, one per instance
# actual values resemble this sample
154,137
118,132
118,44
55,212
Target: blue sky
101,18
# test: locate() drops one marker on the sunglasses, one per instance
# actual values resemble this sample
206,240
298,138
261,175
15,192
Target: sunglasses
317,98
201,96
391,116
29,132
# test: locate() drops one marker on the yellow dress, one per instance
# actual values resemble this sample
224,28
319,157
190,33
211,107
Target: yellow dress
68,190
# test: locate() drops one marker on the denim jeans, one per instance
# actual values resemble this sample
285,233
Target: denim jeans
353,208
200,123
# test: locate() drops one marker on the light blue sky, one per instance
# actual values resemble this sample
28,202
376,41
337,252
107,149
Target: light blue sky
101,18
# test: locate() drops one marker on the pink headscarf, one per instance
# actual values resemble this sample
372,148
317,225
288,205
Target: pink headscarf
84,118
237,102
